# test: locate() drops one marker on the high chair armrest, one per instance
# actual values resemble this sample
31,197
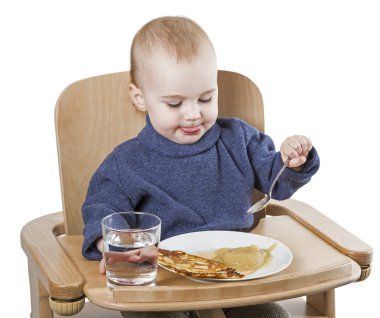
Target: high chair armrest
325,228
54,268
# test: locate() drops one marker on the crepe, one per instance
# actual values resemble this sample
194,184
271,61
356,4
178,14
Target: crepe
195,266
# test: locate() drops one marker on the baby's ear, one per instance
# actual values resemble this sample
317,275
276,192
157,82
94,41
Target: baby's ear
137,97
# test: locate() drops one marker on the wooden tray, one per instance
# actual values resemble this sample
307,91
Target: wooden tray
316,266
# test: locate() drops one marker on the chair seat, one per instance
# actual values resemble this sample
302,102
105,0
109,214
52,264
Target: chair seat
316,266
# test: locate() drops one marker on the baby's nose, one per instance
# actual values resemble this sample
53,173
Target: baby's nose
192,112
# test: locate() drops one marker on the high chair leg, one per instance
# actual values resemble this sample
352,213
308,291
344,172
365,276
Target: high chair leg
323,302
39,296
211,313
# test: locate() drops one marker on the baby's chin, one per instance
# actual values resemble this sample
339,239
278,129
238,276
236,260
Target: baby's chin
187,140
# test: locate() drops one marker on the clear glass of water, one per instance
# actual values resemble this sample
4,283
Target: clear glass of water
131,241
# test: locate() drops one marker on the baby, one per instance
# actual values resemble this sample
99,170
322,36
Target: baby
194,170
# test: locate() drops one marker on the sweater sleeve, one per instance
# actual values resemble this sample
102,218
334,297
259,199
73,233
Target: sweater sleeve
104,196
266,162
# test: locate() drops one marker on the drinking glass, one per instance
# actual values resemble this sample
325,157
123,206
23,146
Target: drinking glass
131,241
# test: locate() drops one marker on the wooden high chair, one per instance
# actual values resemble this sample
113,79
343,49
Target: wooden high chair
92,117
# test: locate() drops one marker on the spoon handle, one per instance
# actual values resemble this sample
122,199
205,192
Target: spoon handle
278,176
259,205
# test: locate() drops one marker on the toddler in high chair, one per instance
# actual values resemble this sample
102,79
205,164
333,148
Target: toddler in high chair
194,170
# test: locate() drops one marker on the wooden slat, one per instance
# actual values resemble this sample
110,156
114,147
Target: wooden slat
239,97
316,266
297,308
92,311
324,227
211,313
223,291
48,260
92,117
39,298
323,302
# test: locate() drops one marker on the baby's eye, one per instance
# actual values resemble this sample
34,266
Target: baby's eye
174,105
205,101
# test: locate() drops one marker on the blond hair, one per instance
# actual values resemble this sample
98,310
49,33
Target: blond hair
179,37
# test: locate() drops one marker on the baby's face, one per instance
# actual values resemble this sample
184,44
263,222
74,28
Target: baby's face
181,98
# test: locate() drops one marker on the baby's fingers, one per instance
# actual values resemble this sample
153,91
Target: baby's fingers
296,162
122,256
149,254
102,266
300,144
288,152
305,143
295,146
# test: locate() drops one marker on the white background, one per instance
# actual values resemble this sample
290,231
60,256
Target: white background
316,63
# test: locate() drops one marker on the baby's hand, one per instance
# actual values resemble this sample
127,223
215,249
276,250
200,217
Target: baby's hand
141,255
296,149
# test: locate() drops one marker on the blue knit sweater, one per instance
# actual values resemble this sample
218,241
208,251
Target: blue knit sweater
203,186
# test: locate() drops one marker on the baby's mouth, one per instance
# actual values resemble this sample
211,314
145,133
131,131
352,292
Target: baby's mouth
191,130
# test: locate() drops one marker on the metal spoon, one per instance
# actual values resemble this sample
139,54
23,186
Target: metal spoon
259,205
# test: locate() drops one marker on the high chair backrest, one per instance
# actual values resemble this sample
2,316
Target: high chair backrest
94,115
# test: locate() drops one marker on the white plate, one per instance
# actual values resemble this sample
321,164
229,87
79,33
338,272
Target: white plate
209,240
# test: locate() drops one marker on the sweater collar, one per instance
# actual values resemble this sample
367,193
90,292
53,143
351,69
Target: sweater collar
168,148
